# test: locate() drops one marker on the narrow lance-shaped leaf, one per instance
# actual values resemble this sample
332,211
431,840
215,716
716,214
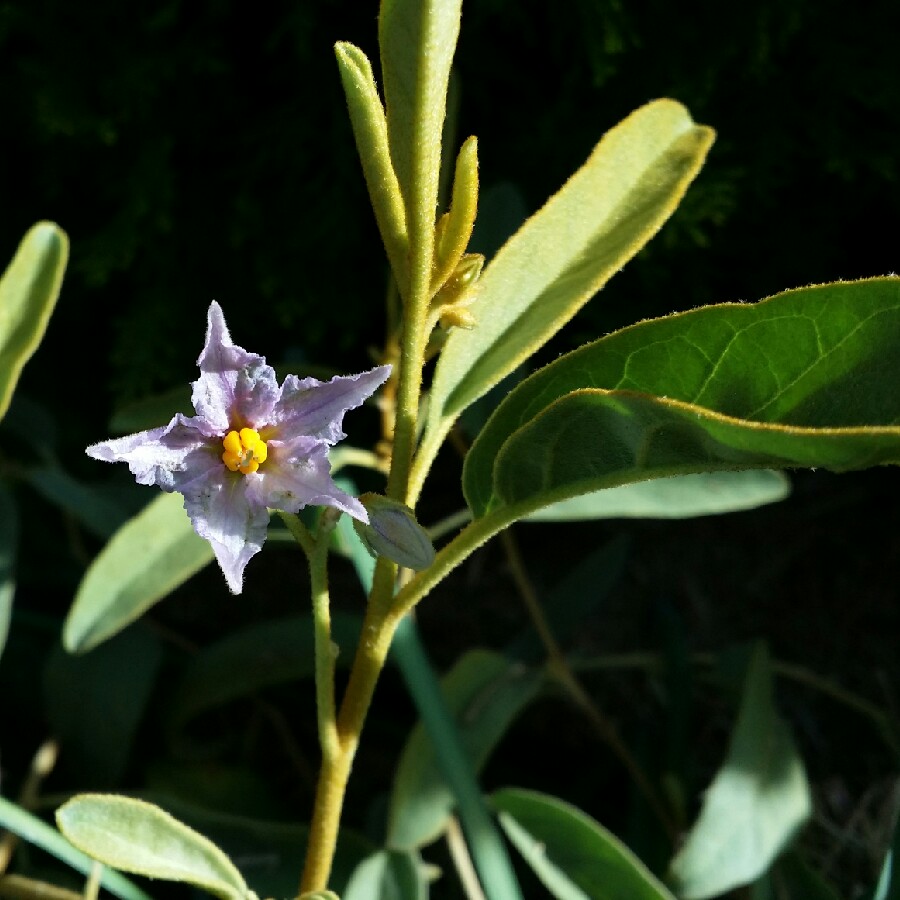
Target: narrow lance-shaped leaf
28,291
146,559
755,804
370,131
806,378
417,40
143,839
9,539
610,208
574,856
455,227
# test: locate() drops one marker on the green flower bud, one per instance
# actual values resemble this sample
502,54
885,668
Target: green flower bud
394,532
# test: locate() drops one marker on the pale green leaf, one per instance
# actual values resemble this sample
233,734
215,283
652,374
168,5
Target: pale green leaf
31,829
388,875
678,497
574,856
485,693
370,131
140,838
146,559
9,538
631,183
756,803
28,291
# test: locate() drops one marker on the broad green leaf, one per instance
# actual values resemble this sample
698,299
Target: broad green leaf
574,856
610,208
31,829
371,134
803,379
140,838
146,559
756,803
28,291
9,538
388,875
678,497
485,693
417,40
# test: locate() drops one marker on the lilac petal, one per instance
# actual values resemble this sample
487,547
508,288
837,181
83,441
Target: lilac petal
317,408
298,474
170,457
235,388
222,512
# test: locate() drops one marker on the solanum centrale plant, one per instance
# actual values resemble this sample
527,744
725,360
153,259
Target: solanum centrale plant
806,378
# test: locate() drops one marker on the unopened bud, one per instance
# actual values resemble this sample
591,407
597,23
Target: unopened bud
394,532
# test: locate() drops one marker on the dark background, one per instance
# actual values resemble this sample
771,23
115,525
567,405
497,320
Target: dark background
198,151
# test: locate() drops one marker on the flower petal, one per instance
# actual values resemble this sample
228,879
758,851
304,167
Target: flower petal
235,388
316,408
223,513
297,474
170,457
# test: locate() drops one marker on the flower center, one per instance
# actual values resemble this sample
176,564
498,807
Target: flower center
245,451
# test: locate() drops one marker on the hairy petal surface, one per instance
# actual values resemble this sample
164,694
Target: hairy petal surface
316,408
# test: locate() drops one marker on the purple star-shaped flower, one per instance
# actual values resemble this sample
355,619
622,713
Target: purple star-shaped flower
253,446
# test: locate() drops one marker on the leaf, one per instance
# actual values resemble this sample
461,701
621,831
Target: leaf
574,856
387,875
417,40
485,693
256,657
677,497
805,378
888,887
371,135
94,704
146,559
140,838
756,803
567,251
9,539
40,834
28,291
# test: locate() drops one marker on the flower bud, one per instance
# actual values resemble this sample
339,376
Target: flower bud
394,532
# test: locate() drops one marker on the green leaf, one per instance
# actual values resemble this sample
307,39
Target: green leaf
417,40
806,378
388,875
9,539
146,559
678,497
371,134
485,693
254,658
755,804
574,856
40,834
610,208
140,838
28,291
888,887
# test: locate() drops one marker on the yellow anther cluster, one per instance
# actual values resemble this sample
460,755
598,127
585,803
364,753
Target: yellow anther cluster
245,451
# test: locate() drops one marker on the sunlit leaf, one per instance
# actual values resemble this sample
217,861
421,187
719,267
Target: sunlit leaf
146,559
628,187
140,838
485,693
31,829
678,497
756,803
804,379
574,856
388,875
28,291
